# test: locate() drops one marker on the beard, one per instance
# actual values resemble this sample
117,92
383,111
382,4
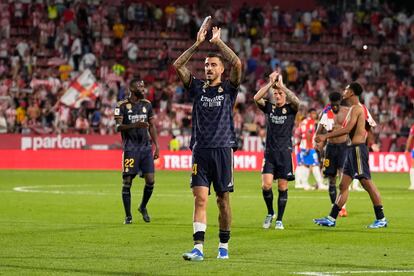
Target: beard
139,94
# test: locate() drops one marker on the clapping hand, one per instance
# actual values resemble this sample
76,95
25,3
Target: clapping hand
216,35
201,35
273,77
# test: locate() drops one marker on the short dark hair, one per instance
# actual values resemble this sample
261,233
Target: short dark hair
135,83
217,55
335,97
311,110
356,87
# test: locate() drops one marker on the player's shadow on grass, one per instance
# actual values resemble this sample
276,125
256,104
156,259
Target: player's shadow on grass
70,270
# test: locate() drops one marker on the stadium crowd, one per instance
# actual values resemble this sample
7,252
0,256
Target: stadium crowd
45,45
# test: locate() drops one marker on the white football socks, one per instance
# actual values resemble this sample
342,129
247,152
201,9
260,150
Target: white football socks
224,245
199,227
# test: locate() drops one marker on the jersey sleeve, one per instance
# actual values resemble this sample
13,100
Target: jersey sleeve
195,86
233,90
267,108
150,111
118,111
292,109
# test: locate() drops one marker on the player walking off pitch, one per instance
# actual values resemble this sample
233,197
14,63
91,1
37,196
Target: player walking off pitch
213,137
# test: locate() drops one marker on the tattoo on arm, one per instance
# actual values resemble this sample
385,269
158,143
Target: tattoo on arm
291,97
180,63
258,98
229,55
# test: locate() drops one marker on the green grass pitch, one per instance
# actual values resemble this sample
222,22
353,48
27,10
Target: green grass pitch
70,223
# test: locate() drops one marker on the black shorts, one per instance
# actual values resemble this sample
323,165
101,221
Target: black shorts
138,162
335,156
279,163
213,165
356,164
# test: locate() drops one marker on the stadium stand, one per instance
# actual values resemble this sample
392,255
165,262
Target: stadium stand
46,45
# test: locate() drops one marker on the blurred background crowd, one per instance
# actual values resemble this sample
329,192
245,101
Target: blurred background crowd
45,45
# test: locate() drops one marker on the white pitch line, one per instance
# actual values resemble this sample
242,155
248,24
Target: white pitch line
35,189
330,273
54,189
38,189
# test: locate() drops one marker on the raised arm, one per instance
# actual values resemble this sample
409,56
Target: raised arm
290,96
182,60
229,55
258,98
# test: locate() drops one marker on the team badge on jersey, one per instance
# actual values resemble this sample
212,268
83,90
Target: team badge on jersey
117,112
129,107
220,89
144,110
284,111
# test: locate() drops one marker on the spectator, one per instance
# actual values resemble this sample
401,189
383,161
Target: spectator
315,30
82,124
76,52
118,32
170,14
132,51
52,11
174,144
163,57
33,111
317,69
3,122
11,115
88,61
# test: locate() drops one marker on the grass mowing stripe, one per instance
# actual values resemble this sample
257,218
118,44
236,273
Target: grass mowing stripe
82,234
